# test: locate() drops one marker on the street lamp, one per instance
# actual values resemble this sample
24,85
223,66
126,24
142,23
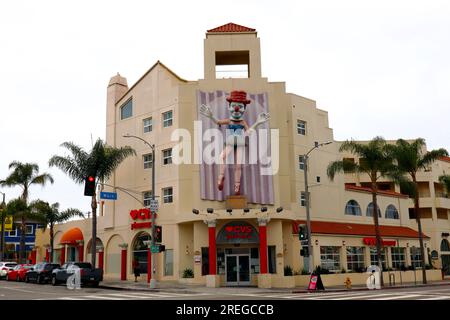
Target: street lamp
308,218
153,266
2,240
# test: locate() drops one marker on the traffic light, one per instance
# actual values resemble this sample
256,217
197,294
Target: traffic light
158,234
162,248
89,186
302,232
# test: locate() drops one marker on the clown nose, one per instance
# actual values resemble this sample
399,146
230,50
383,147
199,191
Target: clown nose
236,108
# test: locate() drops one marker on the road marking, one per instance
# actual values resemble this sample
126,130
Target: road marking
407,296
134,296
71,298
437,298
366,296
333,295
101,297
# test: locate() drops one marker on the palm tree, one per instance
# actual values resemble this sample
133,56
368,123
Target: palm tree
25,175
19,209
99,163
52,216
445,180
411,158
375,159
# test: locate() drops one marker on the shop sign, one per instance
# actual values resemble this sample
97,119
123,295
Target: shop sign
238,232
434,255
197,259
141,214
8,223
373,242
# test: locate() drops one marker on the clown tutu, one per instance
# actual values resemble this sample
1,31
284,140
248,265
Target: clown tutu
237,130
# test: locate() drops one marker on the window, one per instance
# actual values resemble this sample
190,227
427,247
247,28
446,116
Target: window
168,262
445,246
416,257
330,258
126,110
254,260
147,197
369,210
355,258
272,260
148,125
220,261
13,233
301,127
391,212
167,119
303,199
148,160
398,257
29,229
374,259
168,195
167,156
352,208
301,162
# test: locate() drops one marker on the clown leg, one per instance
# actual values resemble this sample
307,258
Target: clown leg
238,170
223,156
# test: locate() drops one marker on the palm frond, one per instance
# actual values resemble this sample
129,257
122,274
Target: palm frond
42,179
445,180
431,157
69,166
345,166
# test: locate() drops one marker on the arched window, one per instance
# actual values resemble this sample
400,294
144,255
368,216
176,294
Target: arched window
140,250
391,212
370,210
352,208
445,246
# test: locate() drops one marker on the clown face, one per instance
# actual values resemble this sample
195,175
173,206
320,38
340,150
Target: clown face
237,110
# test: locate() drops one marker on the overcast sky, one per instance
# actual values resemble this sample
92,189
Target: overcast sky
377,67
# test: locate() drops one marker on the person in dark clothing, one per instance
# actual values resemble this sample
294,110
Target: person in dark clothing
136,270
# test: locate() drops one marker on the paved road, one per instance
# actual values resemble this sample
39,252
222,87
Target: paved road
29,291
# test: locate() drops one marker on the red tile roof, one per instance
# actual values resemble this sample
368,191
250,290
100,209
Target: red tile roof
355,229
380,192
232,27
446,159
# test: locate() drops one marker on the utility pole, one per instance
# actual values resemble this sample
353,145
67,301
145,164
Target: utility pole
307,203
2,240
153,266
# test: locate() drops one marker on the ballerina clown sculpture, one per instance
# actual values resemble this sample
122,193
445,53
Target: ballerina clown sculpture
237,130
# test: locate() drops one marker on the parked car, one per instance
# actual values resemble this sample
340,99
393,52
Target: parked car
89,275
18,273
4,267
41,272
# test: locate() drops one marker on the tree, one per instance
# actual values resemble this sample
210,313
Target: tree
411,157
376,160
25,175
99,163
445,180
51,216
22,212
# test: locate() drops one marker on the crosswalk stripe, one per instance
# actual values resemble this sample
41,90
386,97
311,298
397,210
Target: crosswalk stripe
437,298
337,295
364,296
102,297
71,298
407,296
134,296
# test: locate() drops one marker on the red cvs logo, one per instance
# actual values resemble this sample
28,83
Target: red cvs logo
241,232
142,214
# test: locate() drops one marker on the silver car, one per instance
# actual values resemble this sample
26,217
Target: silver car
5,267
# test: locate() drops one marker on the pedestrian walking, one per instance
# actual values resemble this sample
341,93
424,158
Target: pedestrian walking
136,270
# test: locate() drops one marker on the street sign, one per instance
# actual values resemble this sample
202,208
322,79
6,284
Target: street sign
8,223
153,205
154,248
108,195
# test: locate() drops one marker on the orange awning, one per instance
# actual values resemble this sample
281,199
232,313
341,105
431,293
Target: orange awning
71,236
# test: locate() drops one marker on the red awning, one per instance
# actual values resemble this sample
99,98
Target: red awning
71,236
355,229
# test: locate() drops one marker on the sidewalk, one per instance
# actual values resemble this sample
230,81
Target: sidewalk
176,287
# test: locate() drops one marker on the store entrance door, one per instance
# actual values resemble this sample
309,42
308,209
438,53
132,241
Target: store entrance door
237,269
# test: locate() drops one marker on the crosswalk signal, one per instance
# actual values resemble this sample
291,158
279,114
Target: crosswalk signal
89,186
162,248
302,232
158,234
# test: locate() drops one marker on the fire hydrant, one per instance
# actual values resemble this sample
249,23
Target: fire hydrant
348,283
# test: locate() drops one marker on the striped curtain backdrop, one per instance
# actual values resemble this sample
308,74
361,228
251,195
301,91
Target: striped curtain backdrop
256,187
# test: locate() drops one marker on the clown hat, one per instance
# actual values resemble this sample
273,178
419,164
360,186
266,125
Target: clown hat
238,96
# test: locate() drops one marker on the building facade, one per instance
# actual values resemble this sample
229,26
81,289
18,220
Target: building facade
228,239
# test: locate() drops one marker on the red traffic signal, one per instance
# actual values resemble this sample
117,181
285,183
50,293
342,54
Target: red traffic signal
89,186
158,234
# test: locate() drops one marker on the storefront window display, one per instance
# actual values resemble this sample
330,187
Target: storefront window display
330,258
355,258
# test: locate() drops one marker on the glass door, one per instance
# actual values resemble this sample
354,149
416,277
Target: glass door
237,269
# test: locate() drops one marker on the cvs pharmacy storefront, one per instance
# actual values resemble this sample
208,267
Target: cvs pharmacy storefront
237,252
